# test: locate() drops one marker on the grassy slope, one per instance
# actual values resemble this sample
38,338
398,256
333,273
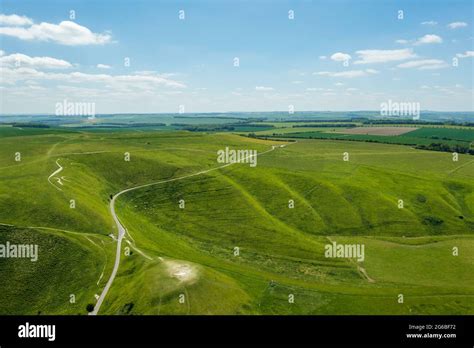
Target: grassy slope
67,264
247,207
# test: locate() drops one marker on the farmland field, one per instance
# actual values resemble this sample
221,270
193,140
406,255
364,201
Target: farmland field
439,138
378,130
227,241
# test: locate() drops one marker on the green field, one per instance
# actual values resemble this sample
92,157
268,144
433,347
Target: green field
189,253
439,138
444,133
408,139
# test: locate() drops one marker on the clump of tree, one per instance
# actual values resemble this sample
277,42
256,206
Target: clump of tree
29,125
218,127
346,120
432,220
252,125
404,121
446,148
326,125
209,128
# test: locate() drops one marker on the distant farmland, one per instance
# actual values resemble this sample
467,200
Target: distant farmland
377,130
439,138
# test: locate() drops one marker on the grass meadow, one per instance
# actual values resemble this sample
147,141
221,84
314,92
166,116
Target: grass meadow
408,250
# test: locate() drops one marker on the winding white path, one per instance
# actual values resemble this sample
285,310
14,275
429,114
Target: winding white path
54,173
122,231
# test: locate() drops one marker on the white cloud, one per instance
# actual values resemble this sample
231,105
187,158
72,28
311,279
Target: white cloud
103,66
466,54
340,57
383,56
456,25
297,82
2,52
263,88
14,20
425,64
147,72
322,57
347,74
65,33
402,41
428,39
429,23
338,84
12,76
22,60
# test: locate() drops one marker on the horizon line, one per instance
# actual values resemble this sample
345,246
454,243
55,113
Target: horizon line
220,112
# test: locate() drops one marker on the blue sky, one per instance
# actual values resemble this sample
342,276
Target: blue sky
333,55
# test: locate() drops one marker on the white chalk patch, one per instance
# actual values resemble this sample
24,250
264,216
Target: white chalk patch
182,271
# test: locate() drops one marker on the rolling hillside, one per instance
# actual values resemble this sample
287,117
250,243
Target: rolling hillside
184,260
